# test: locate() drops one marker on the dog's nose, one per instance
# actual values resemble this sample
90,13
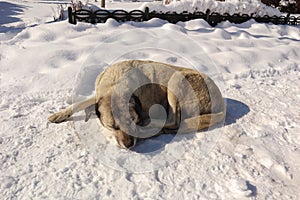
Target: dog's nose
125,140
130,143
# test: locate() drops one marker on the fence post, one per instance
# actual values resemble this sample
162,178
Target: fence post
146,16
102,3
93,17
208,16
70,15
287,18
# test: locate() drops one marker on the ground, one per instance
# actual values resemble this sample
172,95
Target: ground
46,64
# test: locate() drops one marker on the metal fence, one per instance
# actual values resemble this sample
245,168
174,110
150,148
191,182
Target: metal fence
101,16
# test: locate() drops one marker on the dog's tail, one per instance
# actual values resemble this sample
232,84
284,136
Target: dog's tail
86,105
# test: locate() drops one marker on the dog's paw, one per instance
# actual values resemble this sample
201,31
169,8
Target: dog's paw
59,117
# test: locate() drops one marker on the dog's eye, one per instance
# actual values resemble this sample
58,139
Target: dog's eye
113,127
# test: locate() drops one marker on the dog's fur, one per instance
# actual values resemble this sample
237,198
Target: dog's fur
191,100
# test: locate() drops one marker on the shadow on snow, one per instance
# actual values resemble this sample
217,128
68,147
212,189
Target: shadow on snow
235,111
9,14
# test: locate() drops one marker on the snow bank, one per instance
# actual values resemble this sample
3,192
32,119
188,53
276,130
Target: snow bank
255,7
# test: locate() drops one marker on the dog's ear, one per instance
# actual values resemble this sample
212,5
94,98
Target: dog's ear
135,109
89,111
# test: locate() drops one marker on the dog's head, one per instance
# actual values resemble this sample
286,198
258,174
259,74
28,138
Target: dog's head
116,124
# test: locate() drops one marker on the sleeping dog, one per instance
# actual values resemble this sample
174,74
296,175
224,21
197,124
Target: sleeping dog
139,99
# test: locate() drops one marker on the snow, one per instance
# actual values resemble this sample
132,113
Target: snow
255,7
45,65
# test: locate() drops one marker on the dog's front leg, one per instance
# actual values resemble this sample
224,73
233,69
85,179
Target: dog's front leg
68,112
173,119
61,115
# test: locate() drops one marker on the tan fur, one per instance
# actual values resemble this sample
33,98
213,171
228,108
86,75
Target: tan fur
191,99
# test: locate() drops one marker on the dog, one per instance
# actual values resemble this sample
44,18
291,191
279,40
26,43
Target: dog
139,99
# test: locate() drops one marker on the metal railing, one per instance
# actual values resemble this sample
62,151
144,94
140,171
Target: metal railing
101,16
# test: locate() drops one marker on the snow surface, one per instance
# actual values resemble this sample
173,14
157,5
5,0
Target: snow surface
255,7
44,65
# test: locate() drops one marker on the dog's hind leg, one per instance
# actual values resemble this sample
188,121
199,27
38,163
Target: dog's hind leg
201,122
69,111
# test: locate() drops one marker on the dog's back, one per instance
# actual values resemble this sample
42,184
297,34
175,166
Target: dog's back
151,82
